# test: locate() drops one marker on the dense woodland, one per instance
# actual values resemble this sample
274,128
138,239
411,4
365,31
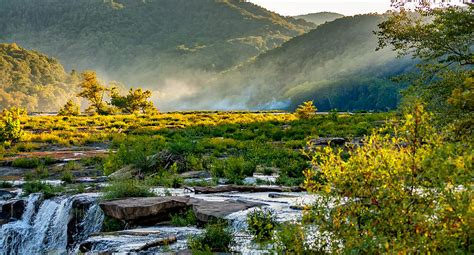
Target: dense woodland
33,80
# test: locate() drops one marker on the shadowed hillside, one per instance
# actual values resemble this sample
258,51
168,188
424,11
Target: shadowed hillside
336,65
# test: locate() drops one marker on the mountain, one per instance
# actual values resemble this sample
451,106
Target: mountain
320,17
336,65
32,80
149,43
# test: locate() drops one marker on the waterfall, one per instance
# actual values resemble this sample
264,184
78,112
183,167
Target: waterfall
46,230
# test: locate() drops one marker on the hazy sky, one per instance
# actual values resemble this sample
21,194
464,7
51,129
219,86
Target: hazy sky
346,7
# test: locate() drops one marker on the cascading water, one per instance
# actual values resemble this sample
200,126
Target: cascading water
46,230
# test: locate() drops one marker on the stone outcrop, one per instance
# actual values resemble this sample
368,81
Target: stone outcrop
12,210
144,211
150,211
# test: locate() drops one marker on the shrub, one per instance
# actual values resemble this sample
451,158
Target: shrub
10,126
216,238
306,110
261,224
188,219
70,109
126,188
290,239
5,185
67,177
48,190
407,191
32,162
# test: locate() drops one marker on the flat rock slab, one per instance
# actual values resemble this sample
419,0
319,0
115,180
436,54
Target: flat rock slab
206,211
146,211
153,210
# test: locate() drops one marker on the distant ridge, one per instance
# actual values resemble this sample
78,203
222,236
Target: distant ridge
320,18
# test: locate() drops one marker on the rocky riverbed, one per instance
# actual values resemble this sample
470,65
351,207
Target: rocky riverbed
73,224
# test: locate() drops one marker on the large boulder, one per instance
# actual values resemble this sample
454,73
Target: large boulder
144,211
152,210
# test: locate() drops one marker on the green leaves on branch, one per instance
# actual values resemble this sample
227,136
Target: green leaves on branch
306,110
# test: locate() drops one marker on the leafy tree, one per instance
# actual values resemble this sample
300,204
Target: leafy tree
135,101
306,110
10,125
94,92
443,39
404,191
70,109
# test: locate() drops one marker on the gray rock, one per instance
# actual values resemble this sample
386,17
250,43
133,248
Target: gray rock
12,210
153,210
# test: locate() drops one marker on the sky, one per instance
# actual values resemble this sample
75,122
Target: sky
346,7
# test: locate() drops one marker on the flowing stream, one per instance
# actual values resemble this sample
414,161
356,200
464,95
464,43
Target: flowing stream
60,225
43,227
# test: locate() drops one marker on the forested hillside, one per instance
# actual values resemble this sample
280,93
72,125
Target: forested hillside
336,65
320,17
32,80
146,42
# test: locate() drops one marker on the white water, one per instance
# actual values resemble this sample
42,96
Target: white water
45,230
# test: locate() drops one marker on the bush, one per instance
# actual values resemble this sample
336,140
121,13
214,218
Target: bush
216,238
48,190
306,110
67,177
127,188
5,185
261,224
10,126
32,162
290,239
70,109
188,219
405,191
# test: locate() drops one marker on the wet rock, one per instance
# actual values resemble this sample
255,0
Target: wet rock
151,211
126,172
279,195
207,211
12,210
144,211
7,194
87,180
324,141
195,175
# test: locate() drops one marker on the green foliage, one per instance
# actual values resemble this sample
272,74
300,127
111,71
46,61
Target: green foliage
261,224
48,190
70,109
217,237
94,92
188,219
134,102
290,239
229,32
126,188
10,125
402,188
32,80
32,162
5,185
67,177
306,110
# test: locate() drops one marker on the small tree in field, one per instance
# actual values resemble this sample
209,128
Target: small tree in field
94,92
306,110
10,126
134,102
70,109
